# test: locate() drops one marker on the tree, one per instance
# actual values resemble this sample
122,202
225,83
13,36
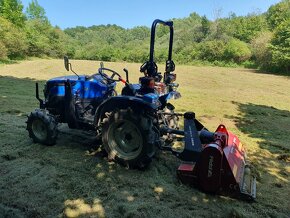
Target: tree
3,51
13,39
278,13
57,41
243,28
35,11
139,33
12,11
211,50
37,35
237,51
45,40
205,26
280,47
260,46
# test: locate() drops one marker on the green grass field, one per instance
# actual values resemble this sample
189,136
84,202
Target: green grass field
70,179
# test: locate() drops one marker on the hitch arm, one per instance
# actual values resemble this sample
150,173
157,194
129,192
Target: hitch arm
194,136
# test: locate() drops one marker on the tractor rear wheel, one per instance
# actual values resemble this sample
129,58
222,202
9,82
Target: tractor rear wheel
128,138
42,127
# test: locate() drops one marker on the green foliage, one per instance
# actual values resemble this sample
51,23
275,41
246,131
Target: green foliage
188,30
231,41
242,28
205,26
45,40
12,11
278,13
139,33
35,11
13,39
280,47
211,50
57,41
3,51
37,38
237,51
261,51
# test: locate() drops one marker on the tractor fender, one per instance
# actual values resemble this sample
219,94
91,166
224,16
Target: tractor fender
122,102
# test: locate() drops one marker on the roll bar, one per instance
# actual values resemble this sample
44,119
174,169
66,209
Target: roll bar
152,41
150,66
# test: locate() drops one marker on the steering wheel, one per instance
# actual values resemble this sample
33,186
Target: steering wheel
110,79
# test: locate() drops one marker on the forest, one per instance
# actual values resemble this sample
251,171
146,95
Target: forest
258,40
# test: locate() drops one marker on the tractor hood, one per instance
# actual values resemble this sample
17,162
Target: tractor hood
86,86
65,78
82,78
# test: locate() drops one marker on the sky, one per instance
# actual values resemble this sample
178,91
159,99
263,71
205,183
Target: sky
131,13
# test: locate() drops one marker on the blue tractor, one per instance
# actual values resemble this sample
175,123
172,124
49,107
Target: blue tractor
128,124
132,125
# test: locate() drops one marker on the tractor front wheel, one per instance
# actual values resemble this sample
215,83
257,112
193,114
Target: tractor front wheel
42,127
128,137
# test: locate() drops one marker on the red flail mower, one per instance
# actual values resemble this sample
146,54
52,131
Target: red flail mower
215,162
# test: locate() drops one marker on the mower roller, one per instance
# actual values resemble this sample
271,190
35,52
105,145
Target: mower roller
140,120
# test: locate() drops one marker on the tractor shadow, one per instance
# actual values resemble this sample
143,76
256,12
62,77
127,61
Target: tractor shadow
258,71
72,137
266,136
269,128
268,124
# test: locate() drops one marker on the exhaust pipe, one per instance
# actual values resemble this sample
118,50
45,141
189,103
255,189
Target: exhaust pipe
41,103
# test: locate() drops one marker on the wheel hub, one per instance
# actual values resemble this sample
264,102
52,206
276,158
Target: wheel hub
39,129
125,138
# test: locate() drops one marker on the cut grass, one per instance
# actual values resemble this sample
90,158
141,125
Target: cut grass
69,179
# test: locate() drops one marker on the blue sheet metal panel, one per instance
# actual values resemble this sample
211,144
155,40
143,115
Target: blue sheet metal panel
65,78
77,88
57,84
94,89
136,86
151,98
81,86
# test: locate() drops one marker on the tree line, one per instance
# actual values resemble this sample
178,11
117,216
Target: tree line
256,40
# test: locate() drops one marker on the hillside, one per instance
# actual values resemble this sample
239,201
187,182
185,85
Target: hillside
256,40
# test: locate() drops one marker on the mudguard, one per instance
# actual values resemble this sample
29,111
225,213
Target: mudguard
122,102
